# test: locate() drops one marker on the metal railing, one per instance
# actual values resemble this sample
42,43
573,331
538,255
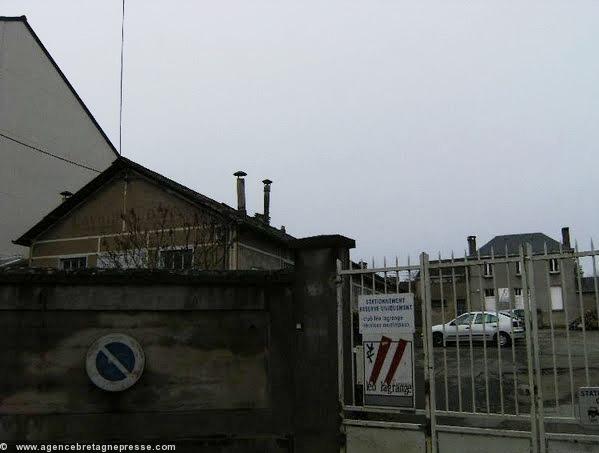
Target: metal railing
532,339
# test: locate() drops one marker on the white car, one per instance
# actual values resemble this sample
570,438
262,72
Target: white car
480,325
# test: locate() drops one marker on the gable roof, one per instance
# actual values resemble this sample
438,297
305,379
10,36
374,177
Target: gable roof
118,167
513,242
23,19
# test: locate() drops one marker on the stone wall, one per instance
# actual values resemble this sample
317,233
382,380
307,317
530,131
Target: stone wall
235,360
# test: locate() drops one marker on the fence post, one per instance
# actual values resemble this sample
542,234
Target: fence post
339,283
320,354
524,260
535,345
429,362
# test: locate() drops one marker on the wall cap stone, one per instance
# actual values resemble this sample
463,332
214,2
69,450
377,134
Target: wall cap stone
144,277
324,241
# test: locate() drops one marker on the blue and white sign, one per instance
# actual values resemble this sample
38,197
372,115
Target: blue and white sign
115,362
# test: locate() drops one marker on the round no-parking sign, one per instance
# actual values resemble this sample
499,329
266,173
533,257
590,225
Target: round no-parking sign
115,362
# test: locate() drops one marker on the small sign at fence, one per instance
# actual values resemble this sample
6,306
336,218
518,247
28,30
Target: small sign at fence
386,313
588,406
389,370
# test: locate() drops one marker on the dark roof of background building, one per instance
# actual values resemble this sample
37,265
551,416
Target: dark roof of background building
122,164
512,242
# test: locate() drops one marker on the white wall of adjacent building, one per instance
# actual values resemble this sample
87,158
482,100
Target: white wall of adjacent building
38,108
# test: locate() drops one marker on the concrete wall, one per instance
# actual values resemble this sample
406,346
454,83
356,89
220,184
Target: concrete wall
38,108
235,361
219,354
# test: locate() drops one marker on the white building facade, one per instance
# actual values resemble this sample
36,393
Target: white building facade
49,140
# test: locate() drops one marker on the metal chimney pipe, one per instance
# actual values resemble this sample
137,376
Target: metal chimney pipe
566,238
65,195
471,245
267,183
240,191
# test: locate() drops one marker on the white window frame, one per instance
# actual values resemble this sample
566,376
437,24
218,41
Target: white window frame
174,249
72,257
103,263
518,268
557,298
487,270
554,266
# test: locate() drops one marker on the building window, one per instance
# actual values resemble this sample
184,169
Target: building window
176,259
517,291
71,264
126,259
518,268
489,292
488,270
557,302
553,265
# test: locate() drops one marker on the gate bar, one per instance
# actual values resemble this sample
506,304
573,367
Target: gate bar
528,334
535,327
429,368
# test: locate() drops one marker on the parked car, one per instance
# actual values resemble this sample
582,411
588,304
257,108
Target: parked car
516,313
492,326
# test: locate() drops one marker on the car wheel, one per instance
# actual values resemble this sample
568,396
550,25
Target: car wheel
437,339
504,339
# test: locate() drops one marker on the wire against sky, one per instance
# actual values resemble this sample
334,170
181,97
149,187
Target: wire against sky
121,93
49,153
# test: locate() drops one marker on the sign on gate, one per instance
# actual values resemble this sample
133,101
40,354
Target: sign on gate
588,406
387,328
389,370
386,313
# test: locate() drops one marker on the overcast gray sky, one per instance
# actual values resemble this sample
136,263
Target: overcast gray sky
404,125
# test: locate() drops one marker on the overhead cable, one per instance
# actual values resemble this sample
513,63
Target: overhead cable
47,153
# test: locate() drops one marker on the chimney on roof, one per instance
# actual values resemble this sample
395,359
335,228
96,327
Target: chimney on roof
566,238
240,191
267,183
471,245
65,195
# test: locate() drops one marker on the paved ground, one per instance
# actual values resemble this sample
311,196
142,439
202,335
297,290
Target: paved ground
507,374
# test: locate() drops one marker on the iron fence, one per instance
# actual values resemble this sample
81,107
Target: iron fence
507,337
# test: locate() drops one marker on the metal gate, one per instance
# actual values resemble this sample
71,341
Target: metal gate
502,345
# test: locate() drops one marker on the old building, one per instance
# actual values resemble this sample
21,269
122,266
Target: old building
131,217
588,290
492,284
49,140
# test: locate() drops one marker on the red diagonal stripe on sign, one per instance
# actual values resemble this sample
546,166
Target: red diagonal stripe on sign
380,358
401,347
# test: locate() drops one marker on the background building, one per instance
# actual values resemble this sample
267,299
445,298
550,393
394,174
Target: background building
49,140
132,217
495,285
